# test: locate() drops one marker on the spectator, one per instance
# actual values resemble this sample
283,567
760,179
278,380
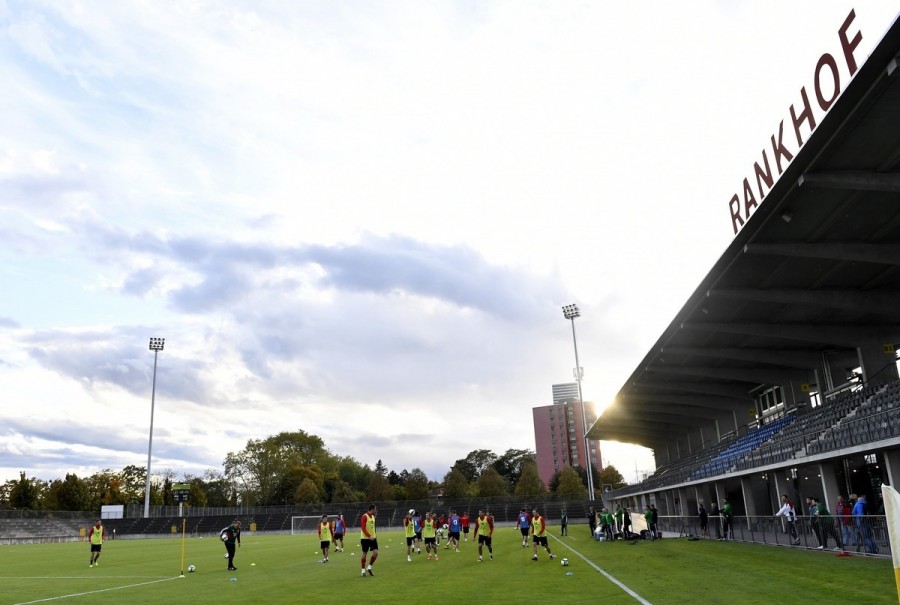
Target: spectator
860,516
726,520
626,522
790,518
655,517
718,522
592,520
704,521
843,512
825,523
564,524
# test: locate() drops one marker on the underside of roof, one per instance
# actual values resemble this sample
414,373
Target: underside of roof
808,289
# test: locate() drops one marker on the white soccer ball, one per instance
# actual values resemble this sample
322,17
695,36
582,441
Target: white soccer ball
191,569
564,562
412,511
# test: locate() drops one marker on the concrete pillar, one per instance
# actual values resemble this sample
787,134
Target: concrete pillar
830,487
891,469
747,493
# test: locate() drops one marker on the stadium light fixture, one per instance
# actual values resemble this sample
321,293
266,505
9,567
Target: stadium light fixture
570,312
156,345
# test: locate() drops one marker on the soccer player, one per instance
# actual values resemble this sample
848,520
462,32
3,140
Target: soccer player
484,529
95,537
231,535
465,525
417,525
539,535
325,532
455,527
429,532
367,540
409,528
338,528
523,524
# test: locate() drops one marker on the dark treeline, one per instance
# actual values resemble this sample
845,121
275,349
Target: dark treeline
296,468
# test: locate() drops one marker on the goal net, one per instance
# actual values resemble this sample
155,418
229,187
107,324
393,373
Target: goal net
305,524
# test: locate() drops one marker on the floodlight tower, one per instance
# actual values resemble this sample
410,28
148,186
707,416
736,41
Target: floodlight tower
570,312
156,345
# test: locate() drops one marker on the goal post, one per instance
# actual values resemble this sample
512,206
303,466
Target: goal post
305,524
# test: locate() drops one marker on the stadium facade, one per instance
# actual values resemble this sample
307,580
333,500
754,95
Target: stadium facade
779,373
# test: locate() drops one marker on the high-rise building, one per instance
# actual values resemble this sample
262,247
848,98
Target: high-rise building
559,433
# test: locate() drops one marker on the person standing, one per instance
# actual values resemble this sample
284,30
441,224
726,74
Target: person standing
409,529
368,542
592,520
715,512
618,515
231,535
95,537
860,511
843,514
564,524
648,518
826,526
465,525
429,533
417,527
704,521
325,533
455,528
339,528
790,518
626,522
484,530
539,535
727,514
523,524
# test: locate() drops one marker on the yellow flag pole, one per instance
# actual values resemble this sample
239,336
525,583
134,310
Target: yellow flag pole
183,537
892,518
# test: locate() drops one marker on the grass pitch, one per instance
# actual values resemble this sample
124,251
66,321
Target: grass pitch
286,569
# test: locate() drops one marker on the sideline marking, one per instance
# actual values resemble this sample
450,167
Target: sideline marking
606,574
81,594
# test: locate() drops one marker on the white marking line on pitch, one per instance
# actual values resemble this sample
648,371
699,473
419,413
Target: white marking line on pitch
606,574
81,594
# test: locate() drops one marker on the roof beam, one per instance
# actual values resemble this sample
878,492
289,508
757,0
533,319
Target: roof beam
726,390
854,180
754,376
794,358
886,254
843,335
877,302
698,401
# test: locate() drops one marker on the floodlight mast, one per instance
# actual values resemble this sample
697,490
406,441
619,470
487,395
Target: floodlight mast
570,312
156,345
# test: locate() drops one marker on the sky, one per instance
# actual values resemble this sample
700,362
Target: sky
362,219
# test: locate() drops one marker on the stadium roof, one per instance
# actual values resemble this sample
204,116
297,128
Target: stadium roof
813,272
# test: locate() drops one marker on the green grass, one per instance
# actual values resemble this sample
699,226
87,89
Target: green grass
286,570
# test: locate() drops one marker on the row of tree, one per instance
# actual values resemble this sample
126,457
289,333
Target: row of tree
296,468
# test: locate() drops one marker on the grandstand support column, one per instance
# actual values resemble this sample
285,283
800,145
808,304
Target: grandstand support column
830,487
748,493
891,469
878,362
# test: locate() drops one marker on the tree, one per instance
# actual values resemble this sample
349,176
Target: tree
529,481
455,484
343,492
612,478
72,494
24,494
491,484
381,469
475,463
262,465
509,465
379,489
416,485
307,493
570,483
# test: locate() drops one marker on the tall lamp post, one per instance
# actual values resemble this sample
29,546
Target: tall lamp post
570,312
156,345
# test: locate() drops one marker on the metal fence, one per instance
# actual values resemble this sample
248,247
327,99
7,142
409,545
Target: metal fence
864,535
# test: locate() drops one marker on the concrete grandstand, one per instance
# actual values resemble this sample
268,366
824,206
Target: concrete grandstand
779,373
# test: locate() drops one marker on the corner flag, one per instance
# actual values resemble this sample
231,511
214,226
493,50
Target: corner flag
892,517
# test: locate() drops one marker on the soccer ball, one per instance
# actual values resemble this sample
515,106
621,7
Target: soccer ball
412,511
564,562
191,569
